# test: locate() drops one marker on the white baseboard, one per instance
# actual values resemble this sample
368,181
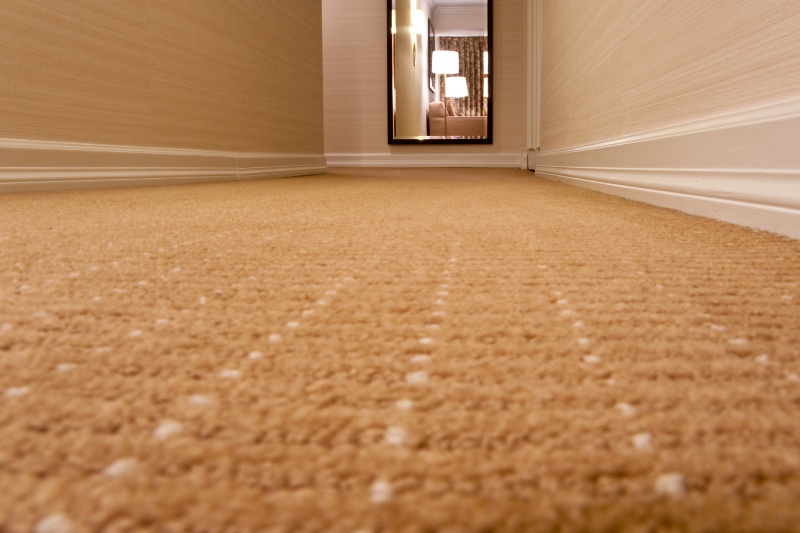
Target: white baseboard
42,165
742,168
530,159
427,160
259,166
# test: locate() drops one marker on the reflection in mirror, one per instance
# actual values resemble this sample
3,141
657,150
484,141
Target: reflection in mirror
439,82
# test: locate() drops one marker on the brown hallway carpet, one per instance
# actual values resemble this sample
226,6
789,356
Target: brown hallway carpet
393,351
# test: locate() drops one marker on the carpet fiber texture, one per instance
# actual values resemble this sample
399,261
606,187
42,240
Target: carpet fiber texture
393,351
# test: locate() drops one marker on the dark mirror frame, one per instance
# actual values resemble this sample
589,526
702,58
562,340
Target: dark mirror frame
390,80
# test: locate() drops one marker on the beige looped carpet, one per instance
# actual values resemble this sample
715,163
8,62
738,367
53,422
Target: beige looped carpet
393,351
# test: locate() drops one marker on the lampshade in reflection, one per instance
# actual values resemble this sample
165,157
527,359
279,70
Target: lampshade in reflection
456,87
486,62
420,22
485,87
445,62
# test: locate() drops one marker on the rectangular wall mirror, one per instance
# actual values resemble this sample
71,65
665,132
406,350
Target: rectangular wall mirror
440,73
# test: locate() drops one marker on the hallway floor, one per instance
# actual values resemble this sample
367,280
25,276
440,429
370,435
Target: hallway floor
393,351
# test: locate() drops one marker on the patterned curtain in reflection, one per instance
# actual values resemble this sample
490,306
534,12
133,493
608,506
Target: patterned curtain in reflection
470,56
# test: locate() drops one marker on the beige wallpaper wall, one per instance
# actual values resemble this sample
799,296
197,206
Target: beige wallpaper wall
354,34
232,75
616,68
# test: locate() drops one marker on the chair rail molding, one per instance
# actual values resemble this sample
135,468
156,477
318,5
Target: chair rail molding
741,167
28,165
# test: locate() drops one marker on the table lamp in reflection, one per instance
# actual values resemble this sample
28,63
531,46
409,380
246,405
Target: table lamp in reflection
456,87
444,62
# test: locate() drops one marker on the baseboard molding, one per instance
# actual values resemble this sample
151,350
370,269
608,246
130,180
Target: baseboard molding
530,160
427,160
42,165
260,166
742,168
